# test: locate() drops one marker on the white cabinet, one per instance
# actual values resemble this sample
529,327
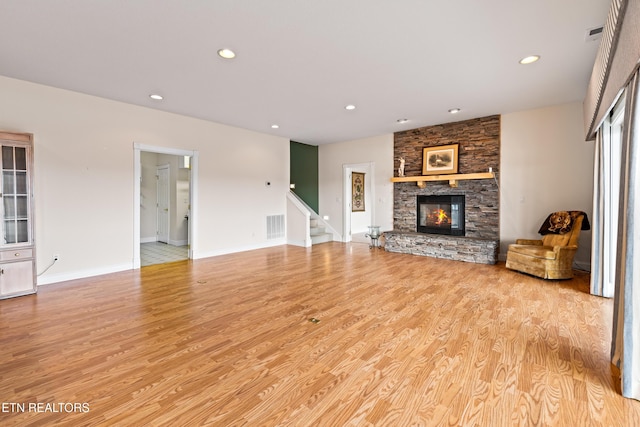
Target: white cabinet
17,247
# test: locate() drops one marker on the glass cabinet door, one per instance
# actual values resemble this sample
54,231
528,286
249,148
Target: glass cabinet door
15,197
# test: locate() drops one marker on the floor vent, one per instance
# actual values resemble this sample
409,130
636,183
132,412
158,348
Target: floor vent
275,226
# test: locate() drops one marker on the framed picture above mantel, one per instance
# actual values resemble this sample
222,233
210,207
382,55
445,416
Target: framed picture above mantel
440,160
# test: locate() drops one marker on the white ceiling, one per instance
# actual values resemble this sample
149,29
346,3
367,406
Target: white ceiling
299,62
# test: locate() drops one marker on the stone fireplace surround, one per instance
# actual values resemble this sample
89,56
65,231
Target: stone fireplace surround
479,149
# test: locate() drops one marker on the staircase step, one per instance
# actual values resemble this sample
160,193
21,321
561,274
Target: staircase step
317,230
321,238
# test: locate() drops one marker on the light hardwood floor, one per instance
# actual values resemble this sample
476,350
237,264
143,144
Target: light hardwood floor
226,341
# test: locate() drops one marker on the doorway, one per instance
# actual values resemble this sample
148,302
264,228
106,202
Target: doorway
164,208
154,169
356,223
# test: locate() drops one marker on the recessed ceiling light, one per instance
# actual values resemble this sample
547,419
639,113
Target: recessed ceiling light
454,110
529,59
275,126
401,121
156,97
350,107
226,53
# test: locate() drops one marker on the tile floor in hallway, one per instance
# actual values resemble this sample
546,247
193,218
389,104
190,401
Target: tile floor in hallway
160,253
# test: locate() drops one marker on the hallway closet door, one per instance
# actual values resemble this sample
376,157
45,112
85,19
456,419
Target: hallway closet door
163,203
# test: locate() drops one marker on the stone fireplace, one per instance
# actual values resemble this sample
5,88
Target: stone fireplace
479,149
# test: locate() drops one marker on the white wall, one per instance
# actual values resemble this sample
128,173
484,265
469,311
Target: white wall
84,177
331,158
298,225
545,166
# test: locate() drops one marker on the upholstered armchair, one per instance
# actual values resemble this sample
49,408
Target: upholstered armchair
552,256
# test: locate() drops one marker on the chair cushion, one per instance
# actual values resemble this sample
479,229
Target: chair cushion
542,252
556,239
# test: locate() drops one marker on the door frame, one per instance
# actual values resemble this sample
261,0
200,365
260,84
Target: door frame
193,196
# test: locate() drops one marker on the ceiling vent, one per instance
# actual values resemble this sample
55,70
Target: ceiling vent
593,34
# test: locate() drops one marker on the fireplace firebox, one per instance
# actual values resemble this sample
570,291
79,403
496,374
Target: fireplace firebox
441,214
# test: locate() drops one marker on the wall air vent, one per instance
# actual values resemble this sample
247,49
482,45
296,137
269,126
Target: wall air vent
593,34
275,226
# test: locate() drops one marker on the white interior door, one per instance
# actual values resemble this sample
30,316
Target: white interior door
162,208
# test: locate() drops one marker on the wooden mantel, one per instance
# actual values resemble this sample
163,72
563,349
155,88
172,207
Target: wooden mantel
453,178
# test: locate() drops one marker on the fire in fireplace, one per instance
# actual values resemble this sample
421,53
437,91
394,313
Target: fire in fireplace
442,214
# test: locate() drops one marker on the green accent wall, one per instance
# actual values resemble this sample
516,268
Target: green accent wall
303,171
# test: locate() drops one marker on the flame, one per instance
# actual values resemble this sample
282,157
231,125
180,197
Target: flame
438,217
442,217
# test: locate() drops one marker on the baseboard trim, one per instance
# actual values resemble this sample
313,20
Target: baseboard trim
82,274
170,242
583,266
178,242
301,243
208,254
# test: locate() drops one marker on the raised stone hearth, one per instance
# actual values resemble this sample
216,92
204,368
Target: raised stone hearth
469,249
